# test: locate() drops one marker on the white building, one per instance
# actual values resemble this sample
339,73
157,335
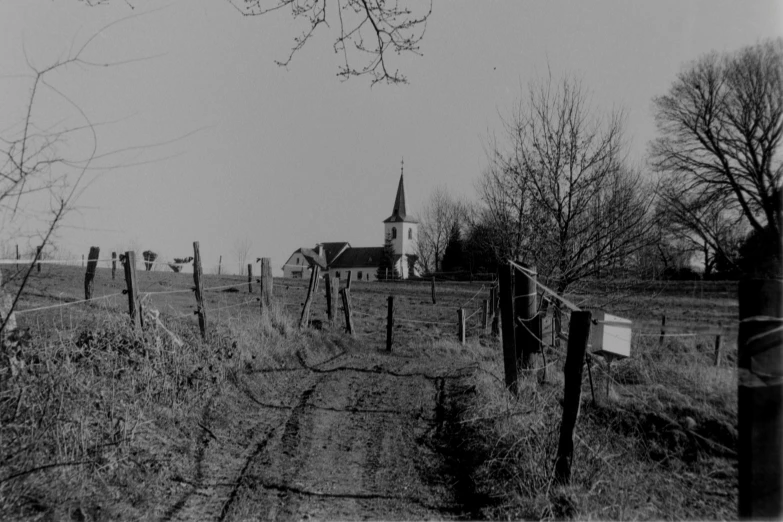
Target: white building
341,258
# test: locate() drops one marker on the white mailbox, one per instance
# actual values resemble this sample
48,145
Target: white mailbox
611,336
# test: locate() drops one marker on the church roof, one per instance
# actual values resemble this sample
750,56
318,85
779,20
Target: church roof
333,250
399,212
358,257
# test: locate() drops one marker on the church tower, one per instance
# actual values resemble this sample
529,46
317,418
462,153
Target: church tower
401,228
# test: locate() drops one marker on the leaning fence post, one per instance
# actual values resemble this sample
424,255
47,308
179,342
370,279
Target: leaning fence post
197,275
220,263
716,360
759,398
578,335
348,280
113,264
305,317
132,289
345,293
89,276
461,324
389,323
250,278
495,303
507,318
329,298
266,282
38,258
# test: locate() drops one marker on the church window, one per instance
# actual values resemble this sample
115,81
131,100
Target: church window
359,275
337,275
394,232
410,233
298,261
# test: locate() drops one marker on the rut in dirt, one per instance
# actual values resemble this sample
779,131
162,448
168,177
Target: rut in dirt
372,439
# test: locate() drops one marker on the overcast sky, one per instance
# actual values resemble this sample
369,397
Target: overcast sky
290,157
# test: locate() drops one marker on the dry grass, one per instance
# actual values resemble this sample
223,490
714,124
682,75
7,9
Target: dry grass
101,411
661,444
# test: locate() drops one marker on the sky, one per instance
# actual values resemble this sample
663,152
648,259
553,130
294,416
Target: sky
208,140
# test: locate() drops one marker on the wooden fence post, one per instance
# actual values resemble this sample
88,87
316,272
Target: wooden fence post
485,316
89,276
578,335
716,360
7,317
250,278
433,289
495,304
329,298
346,295
663,329
266,282
305,318
197,275
220,263
348,280
17,257
389,323
461,324
113,264
38,258
132,289
525,310
759,399
507,318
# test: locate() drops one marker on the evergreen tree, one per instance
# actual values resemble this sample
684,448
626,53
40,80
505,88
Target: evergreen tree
454,256
386,266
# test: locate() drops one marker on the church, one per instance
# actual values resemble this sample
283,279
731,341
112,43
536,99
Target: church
340,258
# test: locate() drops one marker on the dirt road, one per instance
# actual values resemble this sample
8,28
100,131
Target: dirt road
360,436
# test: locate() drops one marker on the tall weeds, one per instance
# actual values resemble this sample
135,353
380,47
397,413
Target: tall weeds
669,416
99,407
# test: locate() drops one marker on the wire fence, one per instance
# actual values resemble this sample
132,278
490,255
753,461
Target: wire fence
288,293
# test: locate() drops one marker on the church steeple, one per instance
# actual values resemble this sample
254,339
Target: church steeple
400,229
399,212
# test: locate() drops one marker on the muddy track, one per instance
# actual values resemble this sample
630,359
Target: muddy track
352,437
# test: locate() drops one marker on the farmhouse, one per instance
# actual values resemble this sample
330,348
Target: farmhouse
341,258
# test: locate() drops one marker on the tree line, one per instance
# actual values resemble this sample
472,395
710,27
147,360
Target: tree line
559,193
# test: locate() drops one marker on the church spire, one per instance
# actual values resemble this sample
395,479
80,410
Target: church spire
399,212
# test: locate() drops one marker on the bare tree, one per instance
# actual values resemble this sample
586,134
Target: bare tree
706,228
561,196
33,168
438,217
242,251
369,31
720,128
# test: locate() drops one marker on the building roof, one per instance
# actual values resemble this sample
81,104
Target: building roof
399,212
333,250
358,258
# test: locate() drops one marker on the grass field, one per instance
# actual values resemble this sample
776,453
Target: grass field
96,410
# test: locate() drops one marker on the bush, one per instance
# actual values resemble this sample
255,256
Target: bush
682,273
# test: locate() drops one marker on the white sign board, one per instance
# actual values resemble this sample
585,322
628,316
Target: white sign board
612,335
